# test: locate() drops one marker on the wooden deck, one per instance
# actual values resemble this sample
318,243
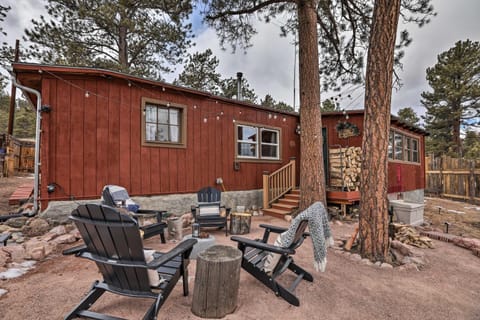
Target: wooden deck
23,192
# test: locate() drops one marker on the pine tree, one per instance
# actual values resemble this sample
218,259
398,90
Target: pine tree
200,72
270,102
328,105
408,116
228,89
5,50
373,220
454,103
341,30
138,37
471,145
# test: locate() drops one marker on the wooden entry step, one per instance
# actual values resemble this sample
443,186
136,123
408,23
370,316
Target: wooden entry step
22,193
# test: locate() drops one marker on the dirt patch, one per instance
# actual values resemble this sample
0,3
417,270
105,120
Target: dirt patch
446,288
463,218
7,187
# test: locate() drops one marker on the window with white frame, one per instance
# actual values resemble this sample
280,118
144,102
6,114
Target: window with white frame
163,124
403,147
257,142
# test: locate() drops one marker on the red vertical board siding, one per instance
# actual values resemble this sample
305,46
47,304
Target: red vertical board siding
189,156
77,105
136,141
173,170
48,90
196,117
113,132
102,162
155,169
90,142
227,147
62,112
125,118
145,163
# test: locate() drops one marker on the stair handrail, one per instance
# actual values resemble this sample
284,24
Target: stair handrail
278,183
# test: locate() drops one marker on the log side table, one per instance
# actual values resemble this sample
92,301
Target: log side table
217,279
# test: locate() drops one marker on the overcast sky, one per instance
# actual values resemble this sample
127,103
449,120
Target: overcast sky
269,64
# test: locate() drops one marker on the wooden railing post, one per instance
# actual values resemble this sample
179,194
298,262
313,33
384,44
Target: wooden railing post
266,190
293,173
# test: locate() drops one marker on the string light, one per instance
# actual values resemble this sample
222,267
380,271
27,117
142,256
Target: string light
88,93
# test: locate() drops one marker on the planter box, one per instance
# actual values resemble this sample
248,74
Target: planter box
343,196
408,212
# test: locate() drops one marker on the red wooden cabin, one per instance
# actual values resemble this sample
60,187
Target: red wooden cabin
154,138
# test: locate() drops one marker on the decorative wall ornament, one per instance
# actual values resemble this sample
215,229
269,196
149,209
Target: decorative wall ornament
347,129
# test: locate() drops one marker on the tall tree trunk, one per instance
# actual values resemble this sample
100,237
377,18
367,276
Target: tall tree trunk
122,47
312,175
373,231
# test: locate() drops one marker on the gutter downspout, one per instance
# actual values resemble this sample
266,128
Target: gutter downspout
37,140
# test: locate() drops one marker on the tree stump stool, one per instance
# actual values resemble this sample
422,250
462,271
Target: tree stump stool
217,279
240,223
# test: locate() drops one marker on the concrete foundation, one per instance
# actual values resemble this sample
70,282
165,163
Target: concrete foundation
176,204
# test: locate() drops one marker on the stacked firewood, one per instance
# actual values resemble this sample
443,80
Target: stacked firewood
409,235
345,167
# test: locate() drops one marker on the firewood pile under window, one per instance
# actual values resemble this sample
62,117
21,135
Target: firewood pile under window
345,167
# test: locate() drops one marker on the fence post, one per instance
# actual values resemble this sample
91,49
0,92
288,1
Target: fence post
266,190
471,179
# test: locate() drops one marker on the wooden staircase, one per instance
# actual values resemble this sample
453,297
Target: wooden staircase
284,206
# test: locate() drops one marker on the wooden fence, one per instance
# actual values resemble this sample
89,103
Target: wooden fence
16,155
453,178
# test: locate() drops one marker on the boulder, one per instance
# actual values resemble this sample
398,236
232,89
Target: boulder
18,222
59,230
4,258
16,252
65,238
36,227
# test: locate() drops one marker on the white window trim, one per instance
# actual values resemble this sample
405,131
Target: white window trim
258,144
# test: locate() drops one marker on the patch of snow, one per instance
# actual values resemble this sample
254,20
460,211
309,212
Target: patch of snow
29,264
455,211
2,292
12,273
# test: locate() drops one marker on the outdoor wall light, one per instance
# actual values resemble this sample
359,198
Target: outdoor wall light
297,129
51,187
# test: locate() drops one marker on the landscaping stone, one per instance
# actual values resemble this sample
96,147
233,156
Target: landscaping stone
16,222
36,227
65,238
378,263
16,252
386,266
58,230
355,257
408,267
366,262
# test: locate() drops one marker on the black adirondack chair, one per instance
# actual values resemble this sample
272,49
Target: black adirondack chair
113,241
112,199
207,213
255,253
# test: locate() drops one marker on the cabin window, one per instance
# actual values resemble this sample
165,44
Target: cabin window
163,124
402,147
255,142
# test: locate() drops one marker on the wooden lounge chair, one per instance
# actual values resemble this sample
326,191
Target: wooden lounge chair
113,242
255,254
112,194
208,211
